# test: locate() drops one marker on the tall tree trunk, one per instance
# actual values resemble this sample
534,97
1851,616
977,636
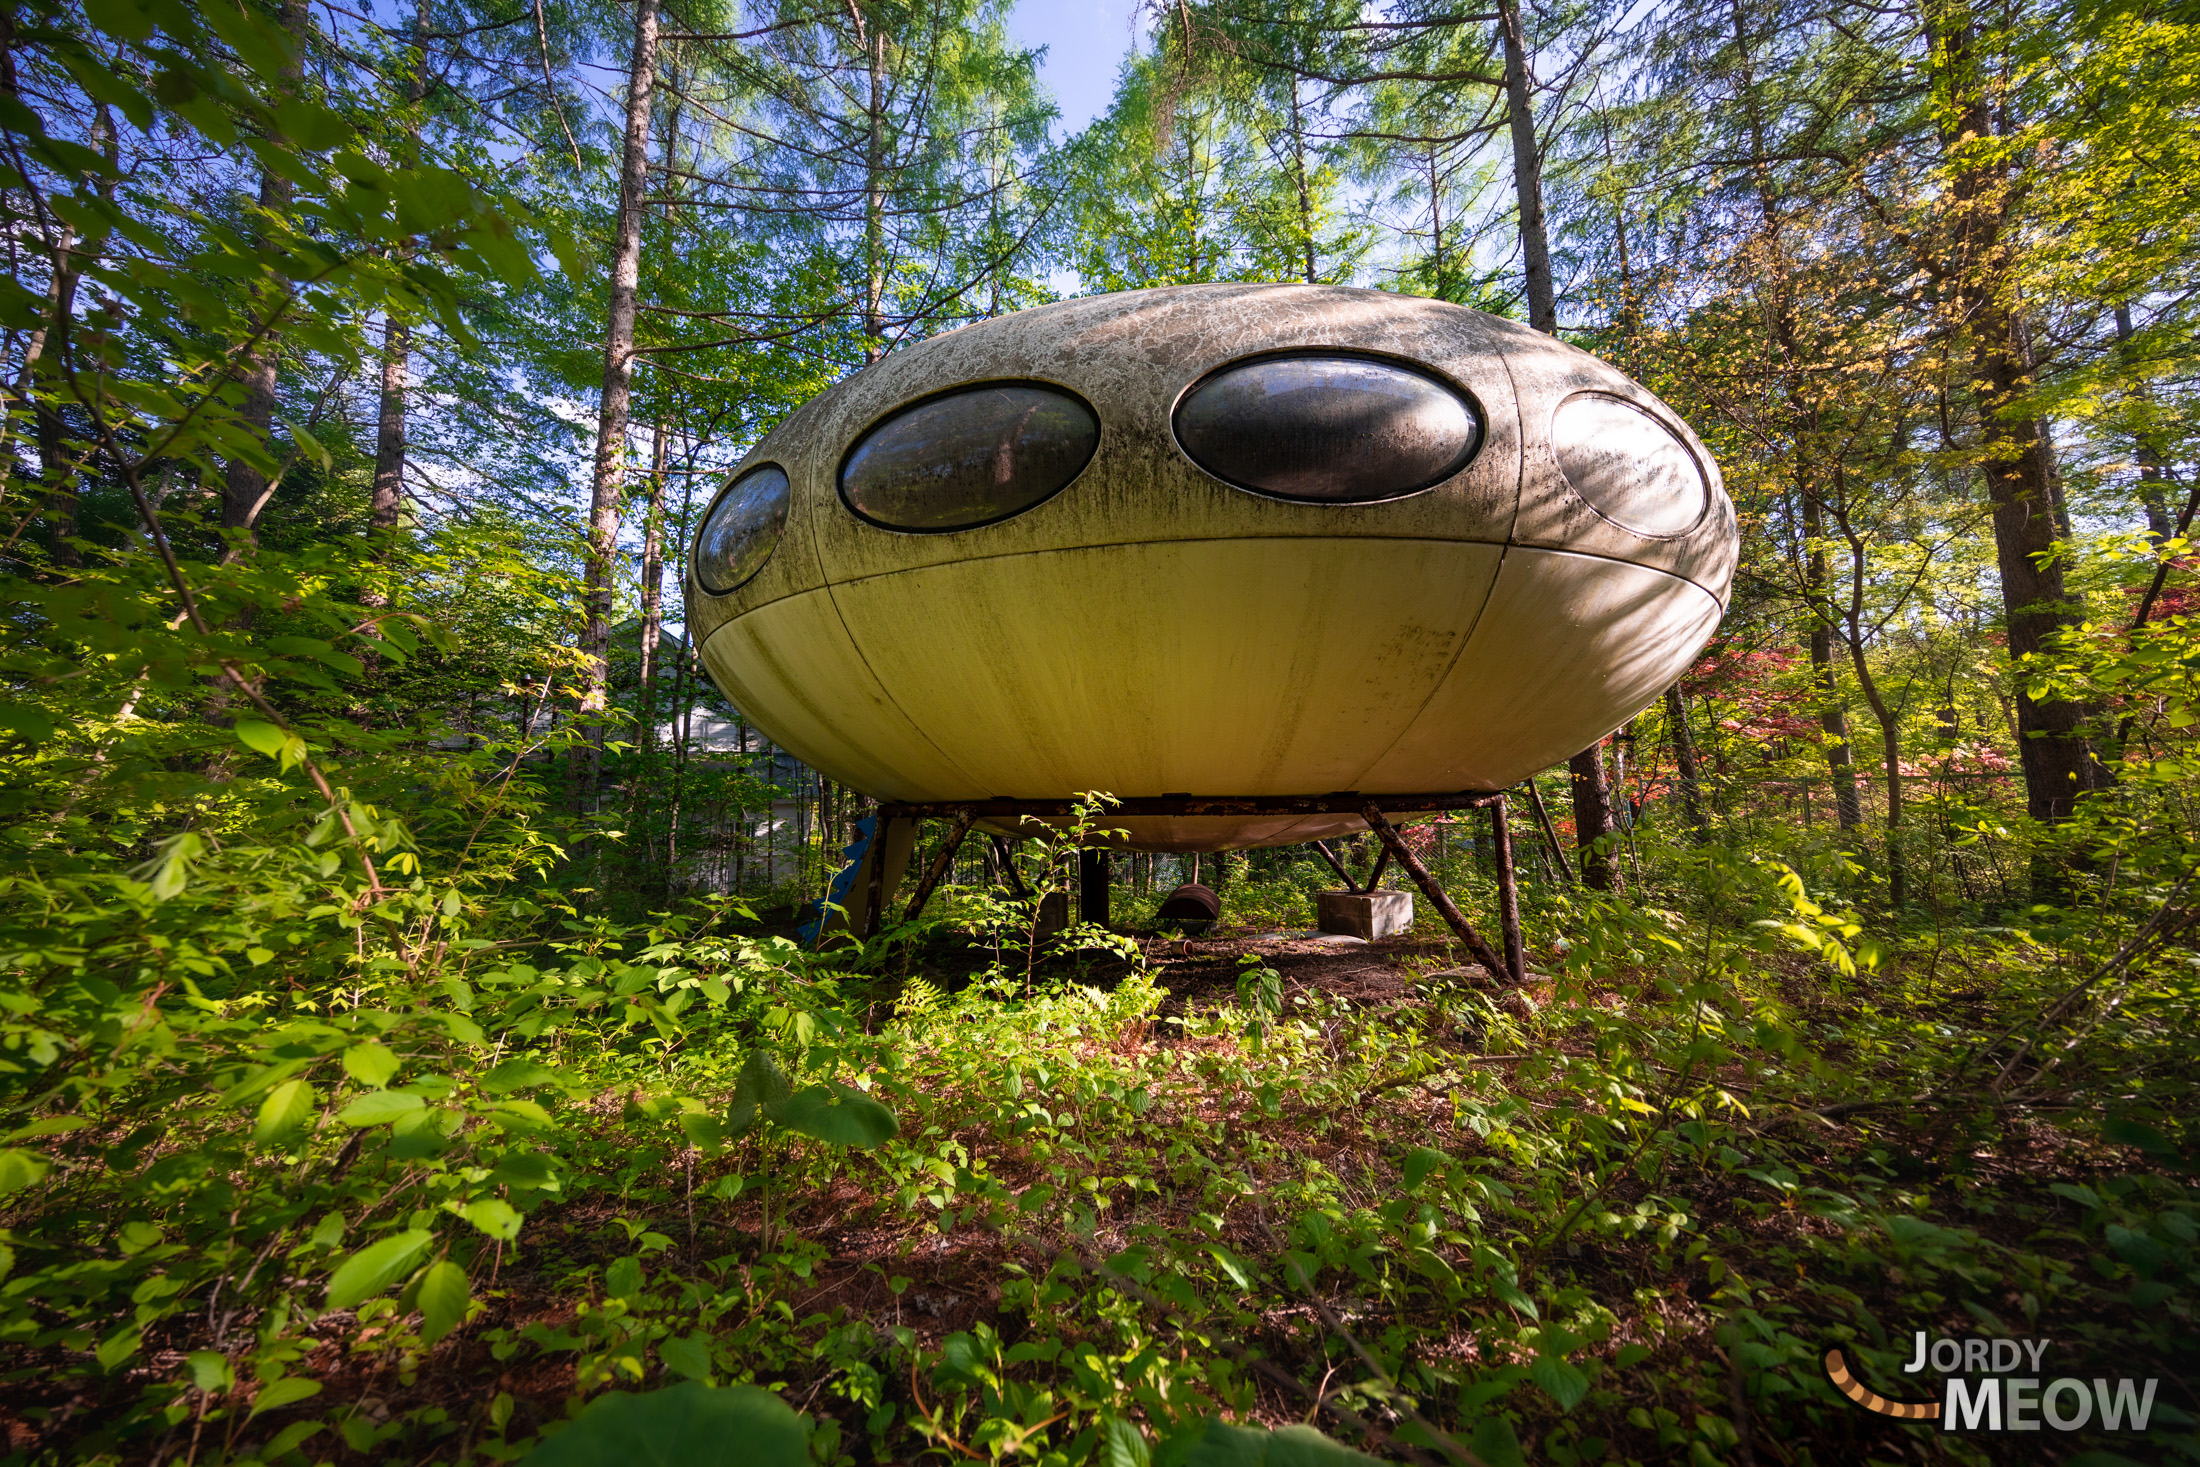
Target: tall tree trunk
1535,241
608,480
1298,177
247,490
1593,823
1592,795
874,193
389,436
1833,719
55,475
1890,728
1683,743
653,587
57,485
387,500
2017,460
1436,225
2152,472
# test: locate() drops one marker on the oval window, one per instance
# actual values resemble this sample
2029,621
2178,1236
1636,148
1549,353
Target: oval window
742,527
969,458
1328,429
1632,468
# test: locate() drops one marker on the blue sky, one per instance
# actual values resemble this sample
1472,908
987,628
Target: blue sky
1086,41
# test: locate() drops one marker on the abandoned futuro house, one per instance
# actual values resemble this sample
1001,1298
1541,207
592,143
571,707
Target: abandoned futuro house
1213,540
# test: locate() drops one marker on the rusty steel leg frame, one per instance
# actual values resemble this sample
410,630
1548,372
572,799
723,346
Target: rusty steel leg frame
1508,891
935,873
1438,897
1007,858
875,889
1321,848
1371,808
1092,886
1550,833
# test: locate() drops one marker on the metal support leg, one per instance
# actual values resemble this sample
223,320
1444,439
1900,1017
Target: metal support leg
1335,865
1550,833
1388,835
1374,877
935,873
1508,892
875,889
1015,879
1092,887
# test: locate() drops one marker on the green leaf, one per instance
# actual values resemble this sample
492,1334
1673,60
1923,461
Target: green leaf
1223,1445
687,1425
529,1169
1420,1163
288,1391
379,1108
518,1074
25,721
1303,1446
1495,1443
1510,1292
707,1132
289,1439
1232,1265
370,1064
687,1356
211,1371
1122,1444
285,1111
258,44
19,1169
838,1115
571,258
311,445
261,738
311,125
374,1268
760,1083
444,1294
118,1347
1561,1379
494,1216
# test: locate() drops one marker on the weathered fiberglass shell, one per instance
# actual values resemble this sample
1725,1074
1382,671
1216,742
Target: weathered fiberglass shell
1150,627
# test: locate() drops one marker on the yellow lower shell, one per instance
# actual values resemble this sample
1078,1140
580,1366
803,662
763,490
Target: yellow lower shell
1256,666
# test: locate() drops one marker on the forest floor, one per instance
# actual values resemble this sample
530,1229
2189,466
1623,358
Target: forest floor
1607,1220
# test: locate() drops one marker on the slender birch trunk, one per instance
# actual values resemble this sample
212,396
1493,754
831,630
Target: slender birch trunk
1591,791
246,490
389,438
608,479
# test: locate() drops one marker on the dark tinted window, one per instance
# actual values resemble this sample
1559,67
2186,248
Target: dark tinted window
1334,429
1628,464
969,458
742,528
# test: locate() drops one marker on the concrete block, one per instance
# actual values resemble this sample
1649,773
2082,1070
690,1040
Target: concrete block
1053,915
1365,915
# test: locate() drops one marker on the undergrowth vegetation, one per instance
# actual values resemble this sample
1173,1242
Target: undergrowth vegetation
308,1165
375,1086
